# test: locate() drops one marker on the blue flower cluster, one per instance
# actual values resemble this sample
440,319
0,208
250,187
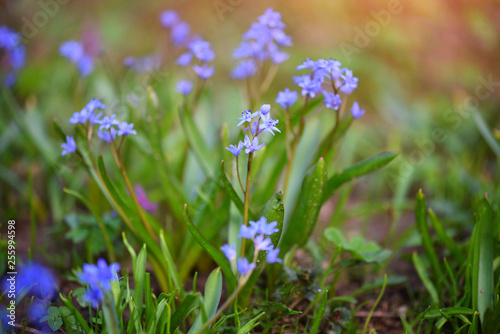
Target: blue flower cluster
99,278
264,123
75,53
257,232
109,126
326,77
198,52
261,43
10,42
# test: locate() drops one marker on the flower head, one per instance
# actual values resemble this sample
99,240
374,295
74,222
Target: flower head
350,83
36,280
229,251
356,111
69,146
108,121
309,86
272,256
107,135
180,33
248,232
204,71
100,275
262,244
286,98
85,65
125,128
235,149
263,227
9,38
269,124
202,50
252,145
246,116
143,199
169,18
332,100
72,50
244,267
184,59
244,69
184,87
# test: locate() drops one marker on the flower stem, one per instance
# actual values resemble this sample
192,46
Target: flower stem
247,199
238,173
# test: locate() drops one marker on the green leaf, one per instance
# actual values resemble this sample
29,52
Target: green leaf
303,220
181,313
139,276
318,315
486,132
82,323
171,269
246,328
423,229
215,253
445,238
482,265
211,299
362,168
450,311
231,192
422,273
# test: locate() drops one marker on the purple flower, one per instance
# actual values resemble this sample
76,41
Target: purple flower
107,135
272,256
17,57
229,251
244,69
169,18
100,275
35,280
72,50
204,71
248,232
262,244
94,296
85,65
9,38
244,267
252,145
143,199
180,33
184,59
202,50
125,128
69,146
246,116
309,86
184,87
350,83
264,109
308,63
286,98
333,68
235,150
332,100
108,121
271,18
269,124
263,227
356,111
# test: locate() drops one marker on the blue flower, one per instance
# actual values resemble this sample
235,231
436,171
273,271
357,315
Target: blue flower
271,18
108,121
85,65
184,87
72,50
286,98
100,275
107,136
246,116
350,83
9,38
308,63
125,128
184,59
263,227
332,100
272,256
252,145
94,296
244,69
204,71
309,86
244,267
180,33
202,50
17,57
169,18
269,124
35,280
248,232
235,150
229,251
146,64
69,146
356,111
262,244
264,109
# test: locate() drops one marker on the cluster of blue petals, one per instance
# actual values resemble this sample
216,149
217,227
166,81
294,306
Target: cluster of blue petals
98,278
10,42
75,53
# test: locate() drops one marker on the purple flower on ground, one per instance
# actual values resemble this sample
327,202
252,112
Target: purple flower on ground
69,146
143,199
244,267
34,279
229,251
99,275
286,98
252,145
107,135
332,100
356,111
9,38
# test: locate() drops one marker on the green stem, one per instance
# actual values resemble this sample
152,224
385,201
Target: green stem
238,173
367,321
247,200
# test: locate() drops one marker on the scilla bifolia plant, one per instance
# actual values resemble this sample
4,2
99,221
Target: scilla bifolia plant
253,197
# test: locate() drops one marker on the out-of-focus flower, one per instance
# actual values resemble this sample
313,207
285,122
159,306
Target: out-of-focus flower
184,87
244,267
272,256
229,251
69,146
350,83
125,128
75,53
204,71
34,279
145,64
169,18
332,100
235,149
180,33
356,111
244,69
286,98
142,198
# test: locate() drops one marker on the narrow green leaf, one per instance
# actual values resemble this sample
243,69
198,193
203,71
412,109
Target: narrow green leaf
171,269
211,299
181,313
303,220
450,311
422,273
246,328
423,229
79,317
319,314
482,268
445,238
230,190
139,276
215,253
362,168
486,132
